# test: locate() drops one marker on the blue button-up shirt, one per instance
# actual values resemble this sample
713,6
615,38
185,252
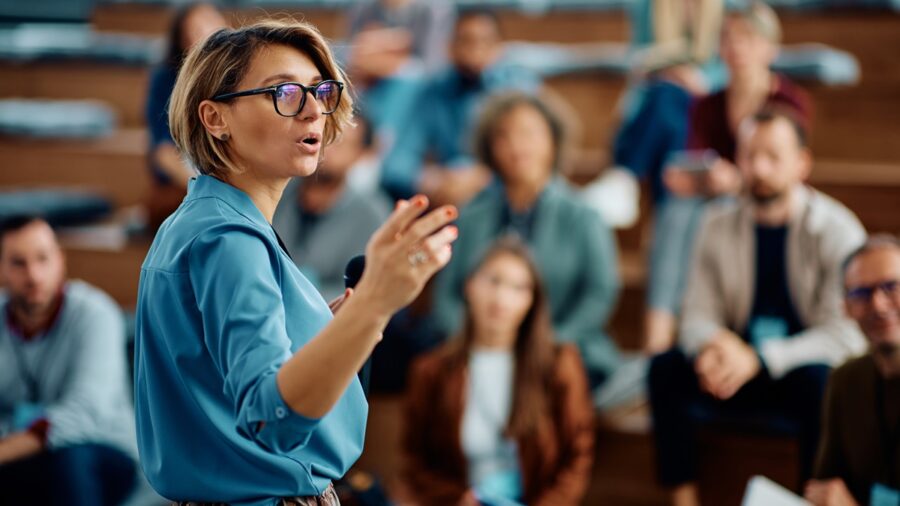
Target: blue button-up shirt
212,331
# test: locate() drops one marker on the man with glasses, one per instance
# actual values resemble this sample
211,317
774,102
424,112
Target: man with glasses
859,455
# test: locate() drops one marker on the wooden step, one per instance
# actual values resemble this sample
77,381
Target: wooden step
114,270
154,19
851,122
123,87
115,166
870,190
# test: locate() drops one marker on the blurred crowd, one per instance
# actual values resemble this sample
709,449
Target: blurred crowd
769,308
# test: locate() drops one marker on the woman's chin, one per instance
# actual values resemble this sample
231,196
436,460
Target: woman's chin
305,168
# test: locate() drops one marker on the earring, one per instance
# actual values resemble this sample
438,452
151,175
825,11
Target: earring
224,137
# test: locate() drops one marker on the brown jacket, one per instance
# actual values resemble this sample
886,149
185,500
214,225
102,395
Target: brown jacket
556,461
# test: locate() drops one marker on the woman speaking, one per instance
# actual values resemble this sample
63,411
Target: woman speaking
245,381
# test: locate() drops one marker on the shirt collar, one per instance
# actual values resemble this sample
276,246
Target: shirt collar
204,186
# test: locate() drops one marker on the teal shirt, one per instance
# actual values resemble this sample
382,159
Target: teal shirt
576,256
220,308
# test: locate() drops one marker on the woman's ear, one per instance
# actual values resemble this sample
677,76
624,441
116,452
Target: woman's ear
213,116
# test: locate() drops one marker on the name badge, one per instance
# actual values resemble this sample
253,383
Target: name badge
766,328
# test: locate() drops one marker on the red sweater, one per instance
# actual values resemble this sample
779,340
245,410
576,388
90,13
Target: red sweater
710,129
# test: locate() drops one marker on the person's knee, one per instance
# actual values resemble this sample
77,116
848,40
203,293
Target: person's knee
667,370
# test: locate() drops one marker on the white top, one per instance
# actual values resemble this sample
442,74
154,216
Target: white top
492,458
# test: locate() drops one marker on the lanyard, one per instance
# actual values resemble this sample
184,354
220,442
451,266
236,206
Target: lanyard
27,375
890,436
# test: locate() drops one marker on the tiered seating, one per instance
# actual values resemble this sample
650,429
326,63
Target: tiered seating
856,143
114,166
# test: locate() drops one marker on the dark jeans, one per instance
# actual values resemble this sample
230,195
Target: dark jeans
659,128
89,475
789,405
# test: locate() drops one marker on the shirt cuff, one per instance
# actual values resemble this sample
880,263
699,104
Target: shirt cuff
274,424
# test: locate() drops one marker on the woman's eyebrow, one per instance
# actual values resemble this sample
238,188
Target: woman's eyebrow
278,77
290,77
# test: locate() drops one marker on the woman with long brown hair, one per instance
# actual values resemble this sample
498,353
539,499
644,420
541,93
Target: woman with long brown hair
500,414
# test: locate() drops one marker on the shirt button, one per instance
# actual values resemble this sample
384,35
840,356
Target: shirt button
279,412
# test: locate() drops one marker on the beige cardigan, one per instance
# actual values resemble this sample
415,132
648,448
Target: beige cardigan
719,293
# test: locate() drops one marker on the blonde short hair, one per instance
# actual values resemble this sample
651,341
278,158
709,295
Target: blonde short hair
217,66
762,19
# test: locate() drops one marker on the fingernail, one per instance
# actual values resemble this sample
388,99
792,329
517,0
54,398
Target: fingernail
419,201
400,203
450,212
454,231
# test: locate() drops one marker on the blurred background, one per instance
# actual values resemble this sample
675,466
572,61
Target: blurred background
78,146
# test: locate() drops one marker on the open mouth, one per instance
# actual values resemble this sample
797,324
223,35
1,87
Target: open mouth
311,139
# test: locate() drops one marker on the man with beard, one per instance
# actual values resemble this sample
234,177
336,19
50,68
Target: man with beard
66,420
763,321
433,153
859,456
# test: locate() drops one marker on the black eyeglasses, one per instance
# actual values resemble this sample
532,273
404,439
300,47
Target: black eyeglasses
863,294
289,98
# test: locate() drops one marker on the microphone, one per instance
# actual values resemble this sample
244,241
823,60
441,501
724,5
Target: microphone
352,273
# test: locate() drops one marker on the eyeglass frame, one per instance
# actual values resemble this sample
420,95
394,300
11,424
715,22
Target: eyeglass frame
271,90
864,294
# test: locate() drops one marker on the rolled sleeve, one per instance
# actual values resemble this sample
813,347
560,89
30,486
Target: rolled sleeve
235,274
280,427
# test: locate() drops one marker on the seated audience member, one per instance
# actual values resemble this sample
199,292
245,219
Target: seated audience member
859,455
763,320
500,413
66,420
749,44
522,141
191,25
423,27
674,50
439,131
393,46
324,221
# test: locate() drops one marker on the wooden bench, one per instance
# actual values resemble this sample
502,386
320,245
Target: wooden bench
154,19
123,87
871,190
851,122
114,270
115,166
